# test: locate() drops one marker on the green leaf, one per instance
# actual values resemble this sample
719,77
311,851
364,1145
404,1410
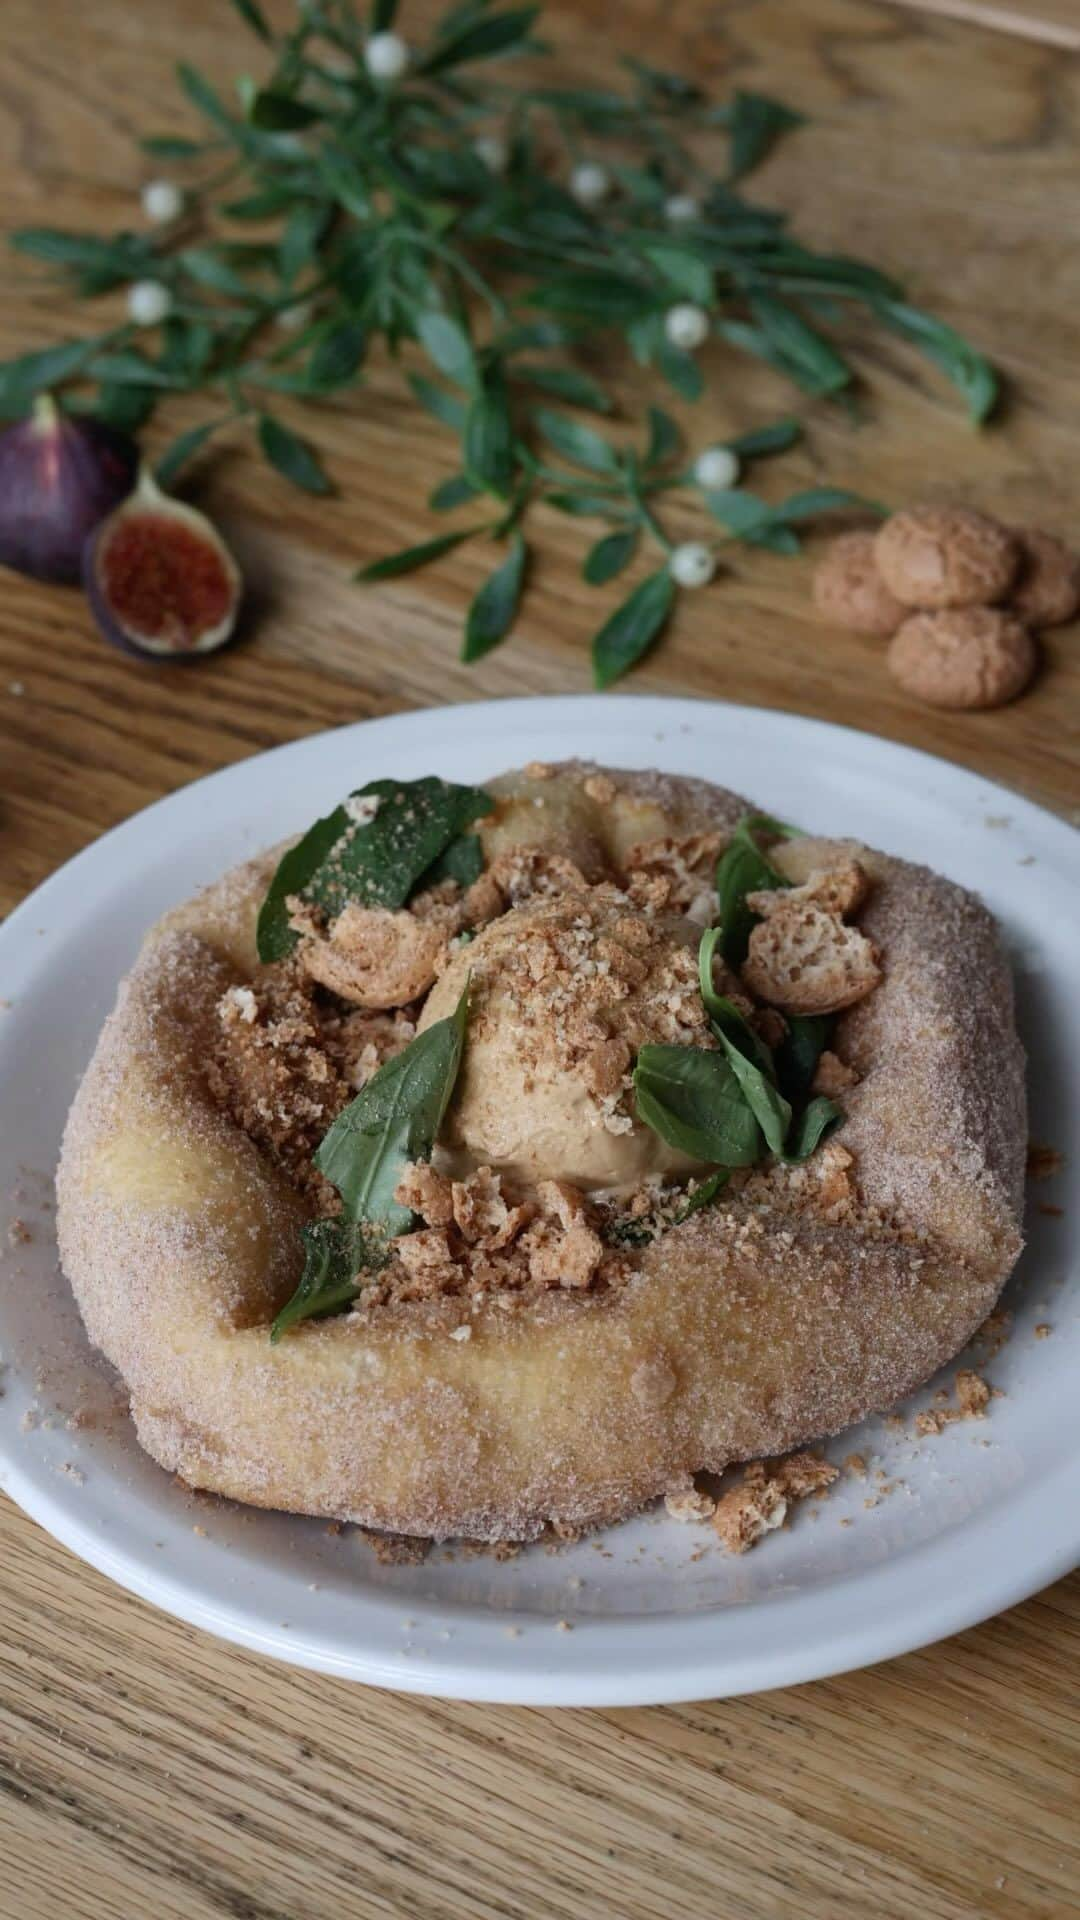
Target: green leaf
750,518
344,180
682,268
587,506
292,456
749,1057
126,408
692,1098
34,373
494,34
204,99
453,493
337,355
609,556
632,628
446,407
703,1194
250,11
103,264
336,1253
810,1128
129,367
376,862
799,1051
742,869
383,13
815,501
760,441
300,237
665,439
963,364
171,146
448,345
566,383
282,113
576,442
494,608
488,443
680,370
605,297
410,558
807,356
182,449
756,123
462,860
393,1121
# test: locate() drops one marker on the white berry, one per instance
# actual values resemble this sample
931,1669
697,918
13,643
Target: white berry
491,148
386,56
162,201
716,467
686,326
680,209
692,564
295,318
590,183
149,303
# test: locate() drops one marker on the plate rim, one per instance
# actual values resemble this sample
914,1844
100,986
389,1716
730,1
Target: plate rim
506,1675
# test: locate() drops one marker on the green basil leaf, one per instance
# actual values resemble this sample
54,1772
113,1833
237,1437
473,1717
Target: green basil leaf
960,362
665,439
632,628
799,1051
489,437
410,558
692,1098
609,556
742,869
575,442
495,33
462,860
566,383
704,1193
453,493
765,440
494,608
811,1127
748,1055
448,345
756,123
445,407
292,456
394,1119
182,449
336,1252
376,863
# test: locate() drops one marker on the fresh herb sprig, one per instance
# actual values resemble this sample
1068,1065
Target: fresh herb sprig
367,190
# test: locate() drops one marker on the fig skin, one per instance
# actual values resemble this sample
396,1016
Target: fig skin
154,544
59,477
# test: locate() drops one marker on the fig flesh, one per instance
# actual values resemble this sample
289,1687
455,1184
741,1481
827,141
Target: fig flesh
59,477
159,578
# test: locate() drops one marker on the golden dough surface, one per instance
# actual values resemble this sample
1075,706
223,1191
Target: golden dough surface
752,1328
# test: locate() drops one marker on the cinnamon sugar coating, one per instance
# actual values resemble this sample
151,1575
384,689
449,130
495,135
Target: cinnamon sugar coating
804,1300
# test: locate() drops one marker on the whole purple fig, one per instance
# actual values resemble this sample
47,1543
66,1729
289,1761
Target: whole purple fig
59,476
159,578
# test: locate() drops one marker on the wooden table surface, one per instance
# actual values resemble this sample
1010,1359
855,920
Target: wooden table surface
149,1771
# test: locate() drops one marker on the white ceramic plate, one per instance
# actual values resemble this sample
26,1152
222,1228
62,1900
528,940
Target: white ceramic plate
981,1515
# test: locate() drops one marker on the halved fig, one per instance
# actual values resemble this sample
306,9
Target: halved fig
159,578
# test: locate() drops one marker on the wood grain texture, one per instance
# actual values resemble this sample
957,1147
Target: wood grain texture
1055,22
148,1770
